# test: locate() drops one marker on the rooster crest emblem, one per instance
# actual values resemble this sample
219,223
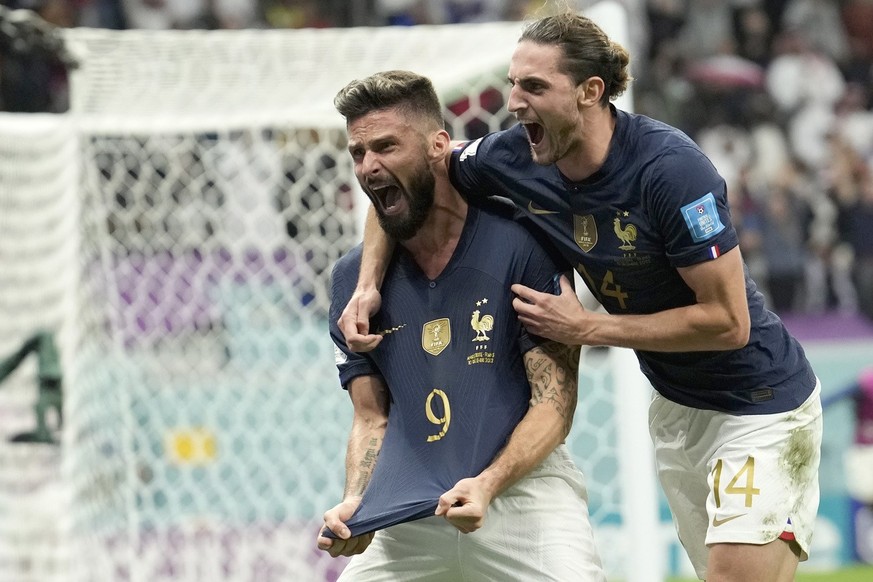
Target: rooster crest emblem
481,325
626,234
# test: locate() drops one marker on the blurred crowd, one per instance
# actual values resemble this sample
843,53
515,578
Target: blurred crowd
779,93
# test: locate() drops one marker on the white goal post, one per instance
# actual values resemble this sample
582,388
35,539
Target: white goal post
175,231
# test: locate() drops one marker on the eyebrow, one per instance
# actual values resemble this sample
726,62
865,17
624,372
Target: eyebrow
528,79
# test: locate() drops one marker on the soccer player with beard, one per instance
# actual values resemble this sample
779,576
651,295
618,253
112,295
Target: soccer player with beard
643,216
459,415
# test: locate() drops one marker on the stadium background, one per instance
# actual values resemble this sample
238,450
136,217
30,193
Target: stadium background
798,161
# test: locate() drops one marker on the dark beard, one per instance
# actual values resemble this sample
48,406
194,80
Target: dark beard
421,196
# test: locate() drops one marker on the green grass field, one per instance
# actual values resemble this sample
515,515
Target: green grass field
853,574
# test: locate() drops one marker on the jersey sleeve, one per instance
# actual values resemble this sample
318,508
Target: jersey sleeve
343,280
484,166
687,199
466,170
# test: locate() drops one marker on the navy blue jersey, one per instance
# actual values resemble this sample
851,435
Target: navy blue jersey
656,204
452,358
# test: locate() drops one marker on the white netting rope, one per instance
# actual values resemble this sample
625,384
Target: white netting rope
38,252
188,80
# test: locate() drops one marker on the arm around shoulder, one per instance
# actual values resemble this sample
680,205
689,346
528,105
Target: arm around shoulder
354,322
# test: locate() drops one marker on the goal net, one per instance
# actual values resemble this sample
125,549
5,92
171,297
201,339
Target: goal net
175,232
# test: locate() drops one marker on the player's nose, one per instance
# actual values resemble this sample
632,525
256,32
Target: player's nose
516,102
370,164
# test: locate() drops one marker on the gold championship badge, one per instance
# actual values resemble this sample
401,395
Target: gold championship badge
585,231
436,335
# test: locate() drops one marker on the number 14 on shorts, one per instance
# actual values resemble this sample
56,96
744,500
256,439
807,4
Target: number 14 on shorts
740,483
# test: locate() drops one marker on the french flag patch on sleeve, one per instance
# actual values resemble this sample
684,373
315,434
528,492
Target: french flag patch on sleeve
714,252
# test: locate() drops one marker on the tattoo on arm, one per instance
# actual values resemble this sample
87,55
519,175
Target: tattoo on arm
368,432
365,467
552,372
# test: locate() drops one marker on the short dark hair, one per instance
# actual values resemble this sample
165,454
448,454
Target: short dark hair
588,51
410,92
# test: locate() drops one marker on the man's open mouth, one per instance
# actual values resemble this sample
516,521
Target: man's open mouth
535,132
389,198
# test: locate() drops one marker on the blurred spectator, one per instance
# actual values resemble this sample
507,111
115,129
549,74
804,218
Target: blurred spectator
190,14
858,462
405,12
517,9
295,14
820,23
754,32
854,120
746,216
456,11
799,74
860,236
829,273
101,14
708,29
729,149
32,79
805,84
666,18
164,14
235,14
858,22
770,147
783,238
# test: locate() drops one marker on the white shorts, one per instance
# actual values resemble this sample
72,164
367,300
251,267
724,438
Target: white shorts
538,529
746,479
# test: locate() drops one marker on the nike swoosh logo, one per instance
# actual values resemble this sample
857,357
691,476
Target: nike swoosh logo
718,522
534,210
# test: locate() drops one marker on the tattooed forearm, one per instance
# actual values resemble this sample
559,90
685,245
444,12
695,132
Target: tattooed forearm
360,475
364,470
552,371
371,400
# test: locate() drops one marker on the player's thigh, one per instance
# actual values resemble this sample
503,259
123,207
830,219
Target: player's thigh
539,529
773,562
419,551
683,483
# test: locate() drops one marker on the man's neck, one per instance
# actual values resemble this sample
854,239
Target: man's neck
435,243
593,148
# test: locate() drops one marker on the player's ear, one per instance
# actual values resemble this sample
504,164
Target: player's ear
589,91
441,143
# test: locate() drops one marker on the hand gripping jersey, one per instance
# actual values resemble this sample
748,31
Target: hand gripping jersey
452,358
656,204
